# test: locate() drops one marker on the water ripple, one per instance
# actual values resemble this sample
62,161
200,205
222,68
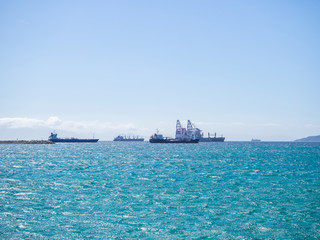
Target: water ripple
148,191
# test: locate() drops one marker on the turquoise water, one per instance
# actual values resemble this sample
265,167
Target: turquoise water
122,190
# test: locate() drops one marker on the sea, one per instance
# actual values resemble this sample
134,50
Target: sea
139,190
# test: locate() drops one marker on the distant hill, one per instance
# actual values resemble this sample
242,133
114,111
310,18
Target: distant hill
309,139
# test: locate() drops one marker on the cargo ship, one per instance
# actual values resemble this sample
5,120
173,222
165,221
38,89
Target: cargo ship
255,140
125,139
158,138
212,139
191,134
183,135
53,138
197,133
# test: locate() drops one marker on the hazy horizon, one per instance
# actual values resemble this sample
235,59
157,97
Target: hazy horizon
246,69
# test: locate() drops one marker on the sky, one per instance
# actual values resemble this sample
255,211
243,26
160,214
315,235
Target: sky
244,69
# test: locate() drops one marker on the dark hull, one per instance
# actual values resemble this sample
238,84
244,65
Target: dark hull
73,140
173,141
215,139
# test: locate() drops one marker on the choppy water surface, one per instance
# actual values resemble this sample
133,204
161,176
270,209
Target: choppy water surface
157,191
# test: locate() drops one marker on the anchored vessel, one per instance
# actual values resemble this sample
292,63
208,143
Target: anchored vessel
196,133
158,138
191,134
211,139
125,139
183,135
53,138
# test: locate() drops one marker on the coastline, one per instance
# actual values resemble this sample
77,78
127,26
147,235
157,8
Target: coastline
26,142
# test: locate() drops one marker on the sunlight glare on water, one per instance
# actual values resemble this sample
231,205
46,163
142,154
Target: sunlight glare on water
118,190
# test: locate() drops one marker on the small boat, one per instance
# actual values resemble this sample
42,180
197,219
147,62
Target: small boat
53,138
255,140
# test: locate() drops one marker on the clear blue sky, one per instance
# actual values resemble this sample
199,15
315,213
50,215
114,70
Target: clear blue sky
239,68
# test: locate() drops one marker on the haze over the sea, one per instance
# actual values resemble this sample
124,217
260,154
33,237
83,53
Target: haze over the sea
244,69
